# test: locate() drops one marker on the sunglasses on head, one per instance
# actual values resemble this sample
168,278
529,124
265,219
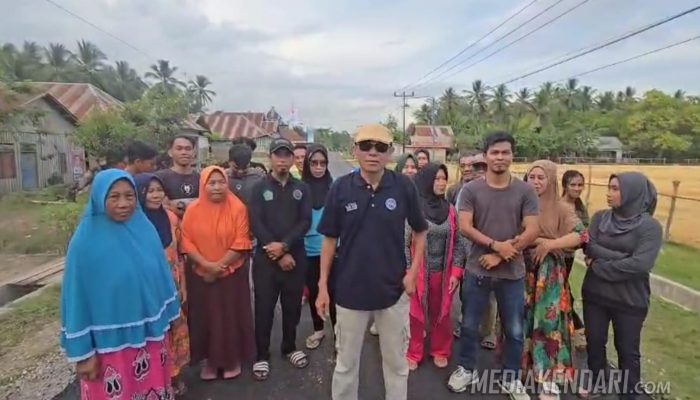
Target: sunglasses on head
366,145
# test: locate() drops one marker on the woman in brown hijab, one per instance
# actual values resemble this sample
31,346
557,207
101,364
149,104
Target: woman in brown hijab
548,326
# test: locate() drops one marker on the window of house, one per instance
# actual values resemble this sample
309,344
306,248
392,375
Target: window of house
8,168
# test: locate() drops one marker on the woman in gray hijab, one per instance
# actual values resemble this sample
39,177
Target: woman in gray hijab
624,242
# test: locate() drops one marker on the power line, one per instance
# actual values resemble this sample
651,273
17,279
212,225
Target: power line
490,44
100,29
500,49
472,44
604,45
682,42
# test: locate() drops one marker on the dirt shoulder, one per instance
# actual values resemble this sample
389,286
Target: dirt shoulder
32,366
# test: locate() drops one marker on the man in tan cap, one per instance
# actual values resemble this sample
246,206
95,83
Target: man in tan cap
367,211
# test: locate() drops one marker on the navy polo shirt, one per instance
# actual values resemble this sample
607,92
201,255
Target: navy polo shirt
370,224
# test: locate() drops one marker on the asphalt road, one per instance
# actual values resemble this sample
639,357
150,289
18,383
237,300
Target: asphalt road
314,382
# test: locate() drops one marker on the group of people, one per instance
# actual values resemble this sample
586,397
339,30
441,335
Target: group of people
182,267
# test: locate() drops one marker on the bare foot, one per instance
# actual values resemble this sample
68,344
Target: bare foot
412,365
208,373
232,373
440,362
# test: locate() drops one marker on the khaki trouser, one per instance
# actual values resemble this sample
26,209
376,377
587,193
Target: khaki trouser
488,324
392,324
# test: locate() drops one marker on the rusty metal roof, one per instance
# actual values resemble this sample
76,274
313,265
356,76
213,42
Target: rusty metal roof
291,135
79,99
231,125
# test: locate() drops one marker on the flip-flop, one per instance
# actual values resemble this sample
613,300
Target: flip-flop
440,362
261,370
298,359
313,342
489,342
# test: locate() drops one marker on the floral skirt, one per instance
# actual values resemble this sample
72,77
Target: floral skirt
142,373
548,326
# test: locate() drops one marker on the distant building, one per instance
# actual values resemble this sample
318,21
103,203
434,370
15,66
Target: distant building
436,139
610,147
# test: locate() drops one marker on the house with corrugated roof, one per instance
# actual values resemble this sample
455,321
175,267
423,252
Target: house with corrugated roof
438,140
609,147
37,153
226,126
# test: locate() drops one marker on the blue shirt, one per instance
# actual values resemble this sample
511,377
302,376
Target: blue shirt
313,239
370,225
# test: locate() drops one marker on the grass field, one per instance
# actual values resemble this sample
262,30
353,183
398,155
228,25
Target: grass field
670,344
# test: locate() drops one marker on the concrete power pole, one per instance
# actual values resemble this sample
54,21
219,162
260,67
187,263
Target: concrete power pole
404,95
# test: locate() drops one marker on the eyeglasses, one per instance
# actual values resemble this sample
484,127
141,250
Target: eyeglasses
318,163
366,145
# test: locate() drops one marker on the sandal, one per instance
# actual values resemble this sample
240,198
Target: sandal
440,362
261,370
208,373
315,340
298,359
489,342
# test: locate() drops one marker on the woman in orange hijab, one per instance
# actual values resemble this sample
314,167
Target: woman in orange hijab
216,238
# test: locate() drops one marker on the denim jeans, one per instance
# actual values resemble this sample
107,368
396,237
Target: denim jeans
510,297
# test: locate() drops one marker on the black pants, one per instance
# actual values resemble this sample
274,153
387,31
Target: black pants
578,324
272,283
312,275
627,330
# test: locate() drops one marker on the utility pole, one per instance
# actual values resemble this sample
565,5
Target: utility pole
404,95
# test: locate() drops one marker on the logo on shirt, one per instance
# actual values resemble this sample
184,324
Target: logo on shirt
238,186
268,196
390,204
187,189
297,194
351,207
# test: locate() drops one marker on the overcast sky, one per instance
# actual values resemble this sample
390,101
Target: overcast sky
339,61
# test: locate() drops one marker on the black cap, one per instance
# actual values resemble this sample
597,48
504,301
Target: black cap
281,143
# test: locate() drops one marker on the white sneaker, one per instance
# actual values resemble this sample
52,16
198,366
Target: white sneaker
461,379
515,389
373,329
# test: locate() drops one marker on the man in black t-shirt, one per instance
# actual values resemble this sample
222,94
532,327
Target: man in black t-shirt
181,181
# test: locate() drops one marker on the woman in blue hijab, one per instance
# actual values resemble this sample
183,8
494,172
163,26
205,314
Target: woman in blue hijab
118,297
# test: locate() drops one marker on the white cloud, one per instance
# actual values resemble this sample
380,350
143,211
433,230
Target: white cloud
339,61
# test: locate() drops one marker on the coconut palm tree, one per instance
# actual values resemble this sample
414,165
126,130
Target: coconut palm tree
500,102
197,89
164,74
58,61
606,101
585,98
478,97
523,98
570,94
89,57
423,114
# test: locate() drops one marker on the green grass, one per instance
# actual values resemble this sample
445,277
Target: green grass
670,344
31,228
680,264
28,316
